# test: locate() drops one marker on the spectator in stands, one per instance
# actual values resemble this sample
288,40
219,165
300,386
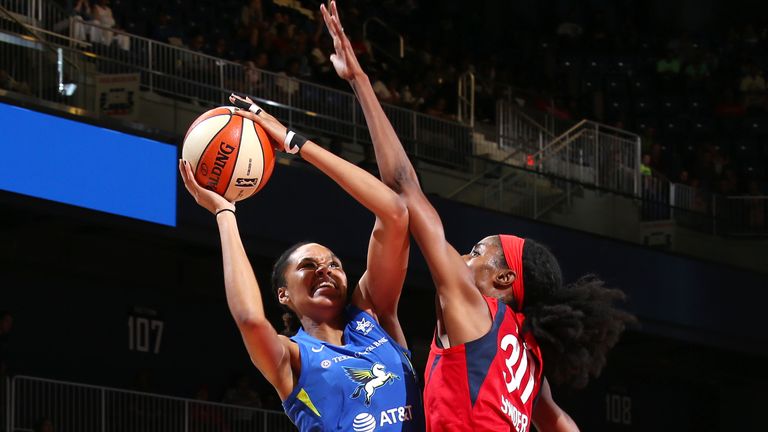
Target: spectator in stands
668,70
381,89
569,30
289,326
320,60
279,44
165,30
103,17
361,46
438,108
645,166
221,49
204,417
249,43
287,80
697,71
657,161
197,42
252,14
726,187
414,96
81,13
255,78
44,424
242,394
752,87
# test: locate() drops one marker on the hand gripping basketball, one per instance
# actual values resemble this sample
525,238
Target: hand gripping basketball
291,141
245,103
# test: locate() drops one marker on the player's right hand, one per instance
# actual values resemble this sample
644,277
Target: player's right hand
270,124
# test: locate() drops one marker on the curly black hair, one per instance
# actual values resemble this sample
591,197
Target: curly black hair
574,324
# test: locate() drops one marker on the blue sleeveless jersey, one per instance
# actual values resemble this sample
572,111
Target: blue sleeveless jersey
366,385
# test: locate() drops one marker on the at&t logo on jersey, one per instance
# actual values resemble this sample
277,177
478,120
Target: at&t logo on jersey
364,326
365,422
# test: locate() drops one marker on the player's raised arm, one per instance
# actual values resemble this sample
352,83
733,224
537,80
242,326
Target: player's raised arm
270,352
457,292
382,283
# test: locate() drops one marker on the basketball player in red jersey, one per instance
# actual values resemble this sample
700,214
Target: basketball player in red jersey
506,323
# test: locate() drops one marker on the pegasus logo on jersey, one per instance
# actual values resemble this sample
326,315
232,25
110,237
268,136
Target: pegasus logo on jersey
517,366
369,380
364,326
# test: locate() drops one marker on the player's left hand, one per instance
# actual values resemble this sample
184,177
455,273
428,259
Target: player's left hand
344,59
208,199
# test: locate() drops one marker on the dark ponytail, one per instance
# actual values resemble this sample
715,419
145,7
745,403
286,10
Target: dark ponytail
291,322
576,324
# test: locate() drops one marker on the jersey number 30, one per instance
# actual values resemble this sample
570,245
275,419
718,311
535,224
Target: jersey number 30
513,378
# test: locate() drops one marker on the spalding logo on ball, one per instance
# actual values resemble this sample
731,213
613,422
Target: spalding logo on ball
229,154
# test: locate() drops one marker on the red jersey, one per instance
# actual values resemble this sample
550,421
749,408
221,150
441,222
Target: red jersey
489,384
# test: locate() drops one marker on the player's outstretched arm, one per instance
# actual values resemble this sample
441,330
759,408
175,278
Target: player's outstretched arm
270,352
382,283
458,296
548,416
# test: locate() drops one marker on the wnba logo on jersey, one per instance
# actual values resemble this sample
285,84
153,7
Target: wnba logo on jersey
516,367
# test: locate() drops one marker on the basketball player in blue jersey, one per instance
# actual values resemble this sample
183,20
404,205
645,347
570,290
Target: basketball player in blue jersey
348,367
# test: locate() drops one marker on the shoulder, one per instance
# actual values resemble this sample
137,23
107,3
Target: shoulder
360,302
293,352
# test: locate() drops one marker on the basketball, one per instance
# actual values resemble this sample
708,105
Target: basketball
229,154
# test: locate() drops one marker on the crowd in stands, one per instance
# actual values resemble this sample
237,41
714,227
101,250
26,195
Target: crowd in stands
698,99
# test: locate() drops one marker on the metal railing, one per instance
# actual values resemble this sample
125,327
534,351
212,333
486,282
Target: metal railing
591,154
5,402
380,35
518,132
82,408
594,154
207,81
656,193
32,70
515,190
40,13
740,215
466,99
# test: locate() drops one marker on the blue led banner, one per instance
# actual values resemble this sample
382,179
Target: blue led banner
62,160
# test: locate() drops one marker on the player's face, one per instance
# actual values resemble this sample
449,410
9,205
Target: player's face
481,261
315,281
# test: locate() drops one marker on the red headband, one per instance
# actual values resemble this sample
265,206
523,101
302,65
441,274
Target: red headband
513,253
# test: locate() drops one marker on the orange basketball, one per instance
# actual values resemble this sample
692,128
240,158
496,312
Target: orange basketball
229,154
